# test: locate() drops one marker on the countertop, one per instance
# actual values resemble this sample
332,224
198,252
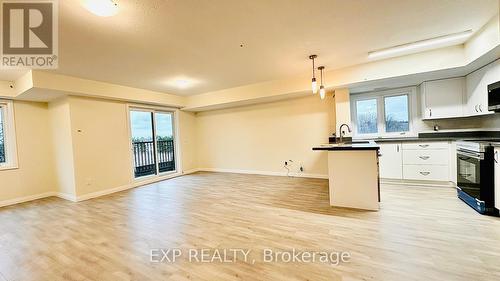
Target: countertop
492,136
371,145
451,135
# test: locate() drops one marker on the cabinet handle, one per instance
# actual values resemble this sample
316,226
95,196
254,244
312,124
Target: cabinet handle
397,148
430,112
423,145
424,157
481,107
425,173
475,107
496,157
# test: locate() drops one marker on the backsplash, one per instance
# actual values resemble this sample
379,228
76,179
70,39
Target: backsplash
477,122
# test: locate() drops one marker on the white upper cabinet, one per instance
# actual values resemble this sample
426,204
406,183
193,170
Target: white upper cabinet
443,98
459,97
476,99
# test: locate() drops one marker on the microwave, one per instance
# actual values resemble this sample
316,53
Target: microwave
494,97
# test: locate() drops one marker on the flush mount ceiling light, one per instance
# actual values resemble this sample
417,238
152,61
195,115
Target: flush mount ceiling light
314,84
322,91
182,83
102,8
419,46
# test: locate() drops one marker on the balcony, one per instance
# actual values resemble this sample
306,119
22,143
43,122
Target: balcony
2,152
145,157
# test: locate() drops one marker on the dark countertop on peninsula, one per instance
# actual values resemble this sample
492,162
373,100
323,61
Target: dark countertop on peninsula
371,145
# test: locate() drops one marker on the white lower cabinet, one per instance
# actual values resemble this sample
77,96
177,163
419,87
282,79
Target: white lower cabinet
390,161
497,178
426,172
427,161
426,157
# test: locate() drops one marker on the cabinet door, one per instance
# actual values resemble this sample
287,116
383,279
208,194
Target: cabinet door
391,161
477,89
497,178
443,98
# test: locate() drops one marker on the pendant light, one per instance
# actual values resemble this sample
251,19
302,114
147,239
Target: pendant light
314,84
322,91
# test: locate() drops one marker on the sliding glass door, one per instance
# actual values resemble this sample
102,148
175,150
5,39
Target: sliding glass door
165,141
153,142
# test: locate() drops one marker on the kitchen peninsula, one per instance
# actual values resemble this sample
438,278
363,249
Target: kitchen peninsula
353,174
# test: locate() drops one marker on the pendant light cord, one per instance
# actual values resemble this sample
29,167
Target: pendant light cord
321,76
313,68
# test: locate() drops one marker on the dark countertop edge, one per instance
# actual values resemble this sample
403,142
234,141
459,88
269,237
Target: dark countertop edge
446,136
412,139
372,147
426,139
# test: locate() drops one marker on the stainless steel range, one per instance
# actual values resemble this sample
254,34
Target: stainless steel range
475,175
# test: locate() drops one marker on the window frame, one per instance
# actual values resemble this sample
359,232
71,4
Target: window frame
381,124
9,135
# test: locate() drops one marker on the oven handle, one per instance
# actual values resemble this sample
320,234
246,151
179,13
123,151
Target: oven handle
478,156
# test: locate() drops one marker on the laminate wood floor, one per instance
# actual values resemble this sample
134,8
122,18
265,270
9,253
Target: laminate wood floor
420,233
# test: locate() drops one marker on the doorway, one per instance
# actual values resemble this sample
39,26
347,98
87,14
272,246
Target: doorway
153,141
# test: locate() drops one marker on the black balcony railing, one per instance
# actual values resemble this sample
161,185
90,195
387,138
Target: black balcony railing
2,153
145,158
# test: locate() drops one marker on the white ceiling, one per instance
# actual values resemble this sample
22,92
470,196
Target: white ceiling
152,42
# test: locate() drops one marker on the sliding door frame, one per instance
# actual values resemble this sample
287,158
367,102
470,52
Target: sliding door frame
177,142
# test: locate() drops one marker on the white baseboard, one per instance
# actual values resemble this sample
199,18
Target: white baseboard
103,192
24,199
192,171
264,173
418,183
66,196
73,198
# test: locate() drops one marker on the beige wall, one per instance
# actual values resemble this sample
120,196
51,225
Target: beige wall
261,137
62,146
188,136
102,157
35,174
101,147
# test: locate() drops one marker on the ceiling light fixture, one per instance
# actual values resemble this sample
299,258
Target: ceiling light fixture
314,84
102,8
322,91
434,43
182,84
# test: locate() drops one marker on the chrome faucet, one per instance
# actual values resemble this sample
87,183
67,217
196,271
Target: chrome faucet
342,132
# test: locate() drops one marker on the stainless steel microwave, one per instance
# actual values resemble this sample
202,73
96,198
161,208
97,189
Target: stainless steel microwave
494,97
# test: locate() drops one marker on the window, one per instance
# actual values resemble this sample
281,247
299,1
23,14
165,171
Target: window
367,116
8,155
397,114
380,114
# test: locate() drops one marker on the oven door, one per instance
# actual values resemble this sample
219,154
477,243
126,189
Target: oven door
469,171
